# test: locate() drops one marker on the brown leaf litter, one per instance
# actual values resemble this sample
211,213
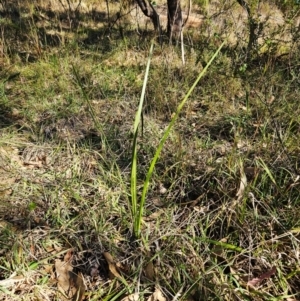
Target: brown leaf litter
157,296
69,283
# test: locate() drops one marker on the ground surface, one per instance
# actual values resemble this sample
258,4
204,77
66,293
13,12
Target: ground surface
221,219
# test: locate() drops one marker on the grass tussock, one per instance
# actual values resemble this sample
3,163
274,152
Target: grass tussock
221,217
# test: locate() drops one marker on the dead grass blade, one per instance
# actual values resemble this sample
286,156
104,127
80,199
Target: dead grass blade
243,184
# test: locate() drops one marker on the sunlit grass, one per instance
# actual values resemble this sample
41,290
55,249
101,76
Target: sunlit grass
66,133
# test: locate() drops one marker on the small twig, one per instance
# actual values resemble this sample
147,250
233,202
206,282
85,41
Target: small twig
62,4
188,14
108,12
119,16
69,4
77,6
157,22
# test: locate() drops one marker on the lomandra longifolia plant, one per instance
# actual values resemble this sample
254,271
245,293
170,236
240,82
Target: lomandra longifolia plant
137,206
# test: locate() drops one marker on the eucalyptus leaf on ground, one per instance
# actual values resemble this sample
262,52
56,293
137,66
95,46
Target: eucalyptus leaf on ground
69,283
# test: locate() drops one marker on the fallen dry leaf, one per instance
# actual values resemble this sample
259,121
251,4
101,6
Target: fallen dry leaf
162,189
113,270
149,271
251,172
132,297
255,281
69,255
157,296
157,202
69,283
94,270
12,280
154,216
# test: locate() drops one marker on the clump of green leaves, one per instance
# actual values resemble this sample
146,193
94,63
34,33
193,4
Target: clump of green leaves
137,207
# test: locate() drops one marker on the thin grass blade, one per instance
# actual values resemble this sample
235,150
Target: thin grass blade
163,140
137,120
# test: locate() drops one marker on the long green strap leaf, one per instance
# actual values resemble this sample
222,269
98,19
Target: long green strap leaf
137,119
163,140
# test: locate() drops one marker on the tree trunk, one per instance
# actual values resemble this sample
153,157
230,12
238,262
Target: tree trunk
150,12
174,18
